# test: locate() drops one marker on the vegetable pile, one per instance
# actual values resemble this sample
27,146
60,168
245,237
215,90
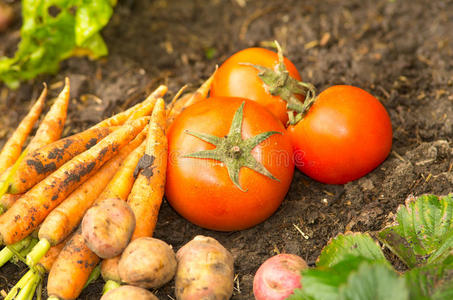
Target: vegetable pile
85,205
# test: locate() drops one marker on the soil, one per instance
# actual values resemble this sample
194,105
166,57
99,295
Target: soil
400,51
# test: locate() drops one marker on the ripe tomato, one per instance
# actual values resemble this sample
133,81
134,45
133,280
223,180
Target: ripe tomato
233,79
344,135
202,189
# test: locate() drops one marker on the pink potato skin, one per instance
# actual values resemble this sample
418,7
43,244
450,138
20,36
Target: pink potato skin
278,276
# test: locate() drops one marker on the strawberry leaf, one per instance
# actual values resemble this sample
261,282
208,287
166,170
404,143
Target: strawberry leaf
422,232
357,244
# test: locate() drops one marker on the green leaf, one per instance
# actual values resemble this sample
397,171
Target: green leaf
48,38
91,17
374,281
357,244
423,230
431,281
354,277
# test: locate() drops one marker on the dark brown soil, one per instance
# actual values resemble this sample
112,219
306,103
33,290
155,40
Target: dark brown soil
400,51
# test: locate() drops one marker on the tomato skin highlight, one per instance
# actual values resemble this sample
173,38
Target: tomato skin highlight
345,135
235,80
201,190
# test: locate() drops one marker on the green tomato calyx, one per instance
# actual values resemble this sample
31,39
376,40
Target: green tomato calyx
279,83
232,150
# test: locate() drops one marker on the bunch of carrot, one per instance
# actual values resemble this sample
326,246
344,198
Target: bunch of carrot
46,187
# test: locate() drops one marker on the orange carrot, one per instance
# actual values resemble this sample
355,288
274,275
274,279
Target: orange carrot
72,268
144,107
79,259
148,189
13,147
31,209
7,200
52,125
65,217
178,106
46,262
42,162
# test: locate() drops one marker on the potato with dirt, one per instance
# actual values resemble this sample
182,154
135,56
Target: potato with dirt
278,277
148,263
107,227
129,292
205,270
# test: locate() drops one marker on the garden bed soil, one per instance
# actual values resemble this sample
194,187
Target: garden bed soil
400,51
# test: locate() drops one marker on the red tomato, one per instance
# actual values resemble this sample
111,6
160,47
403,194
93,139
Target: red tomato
345,135
233,79
201,189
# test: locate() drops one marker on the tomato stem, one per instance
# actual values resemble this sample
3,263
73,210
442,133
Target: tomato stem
234,151
280,83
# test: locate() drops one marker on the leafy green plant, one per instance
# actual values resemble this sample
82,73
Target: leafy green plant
53,30
353,266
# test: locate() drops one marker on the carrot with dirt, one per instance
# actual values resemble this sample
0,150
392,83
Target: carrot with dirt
75,263
71,269
67,216
31,209
52,125
42,162
13,147
7,200
148,189
177,106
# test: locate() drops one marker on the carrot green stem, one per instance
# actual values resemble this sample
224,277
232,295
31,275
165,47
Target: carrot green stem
27,292
37,252
20,285
93,276
8,252
110,285
8,175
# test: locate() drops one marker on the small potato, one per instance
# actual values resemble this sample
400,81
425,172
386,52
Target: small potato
278,277
147,262
205,270
129,292
107,227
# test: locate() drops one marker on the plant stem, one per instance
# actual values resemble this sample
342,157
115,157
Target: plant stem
28,290
19,285
93,276
37,252
110,285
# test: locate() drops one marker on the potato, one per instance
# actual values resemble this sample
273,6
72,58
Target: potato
147,262
107,227
205,270
129,292
278,276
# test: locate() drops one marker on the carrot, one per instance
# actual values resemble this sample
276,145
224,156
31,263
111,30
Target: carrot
146,106
66,216
42,162
31,209
148,189
72,268
52,125
118,187
13,147
178,106
82,264
7,200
